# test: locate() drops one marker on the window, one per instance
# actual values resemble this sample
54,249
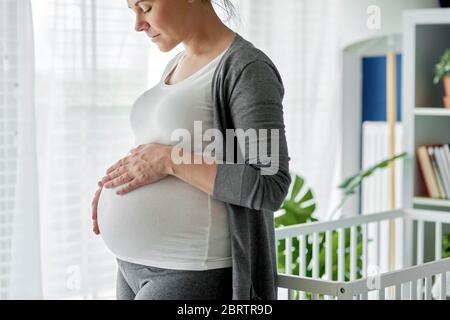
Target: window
91,65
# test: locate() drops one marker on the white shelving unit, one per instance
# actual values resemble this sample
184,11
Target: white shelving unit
426,36
432,112
427,202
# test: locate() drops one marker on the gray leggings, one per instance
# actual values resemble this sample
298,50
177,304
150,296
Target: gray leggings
139,282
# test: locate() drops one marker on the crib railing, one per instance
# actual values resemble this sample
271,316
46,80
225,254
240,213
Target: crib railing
346,243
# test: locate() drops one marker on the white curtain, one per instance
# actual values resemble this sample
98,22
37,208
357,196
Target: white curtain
302,38
89,65
19,216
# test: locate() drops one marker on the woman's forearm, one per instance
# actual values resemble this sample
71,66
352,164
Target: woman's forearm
197,173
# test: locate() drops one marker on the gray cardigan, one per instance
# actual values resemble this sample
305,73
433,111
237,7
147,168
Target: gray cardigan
247,93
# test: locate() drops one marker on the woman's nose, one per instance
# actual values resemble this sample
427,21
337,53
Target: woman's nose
141,24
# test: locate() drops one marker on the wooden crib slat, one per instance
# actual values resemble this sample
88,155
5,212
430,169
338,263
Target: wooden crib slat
288,255
302,261
443,287
315,271
438,247
377,244
420,243
288,263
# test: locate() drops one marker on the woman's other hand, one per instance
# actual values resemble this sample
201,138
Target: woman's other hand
144,165
94,206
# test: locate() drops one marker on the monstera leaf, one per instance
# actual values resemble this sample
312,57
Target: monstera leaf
297,208
299,204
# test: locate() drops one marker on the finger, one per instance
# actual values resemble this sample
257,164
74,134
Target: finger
124,178
96,196
95,227
138,148
94,204
119,163
105,179
114,174
134,184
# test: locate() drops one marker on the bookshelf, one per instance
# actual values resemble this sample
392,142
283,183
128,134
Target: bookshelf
426,36
433,203
432,112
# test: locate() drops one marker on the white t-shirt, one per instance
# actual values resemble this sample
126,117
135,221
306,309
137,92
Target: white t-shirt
170,223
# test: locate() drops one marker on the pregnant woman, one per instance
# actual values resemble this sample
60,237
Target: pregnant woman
198,229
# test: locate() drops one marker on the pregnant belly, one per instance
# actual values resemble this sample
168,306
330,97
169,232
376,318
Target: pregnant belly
157,217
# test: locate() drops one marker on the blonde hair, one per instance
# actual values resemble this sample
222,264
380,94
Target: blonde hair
227,6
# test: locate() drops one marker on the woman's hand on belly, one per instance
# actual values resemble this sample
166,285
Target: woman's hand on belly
94,206
145,164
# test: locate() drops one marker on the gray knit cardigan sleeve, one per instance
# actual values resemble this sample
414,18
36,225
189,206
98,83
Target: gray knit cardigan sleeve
254,92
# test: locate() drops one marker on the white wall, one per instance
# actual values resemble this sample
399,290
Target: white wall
354,17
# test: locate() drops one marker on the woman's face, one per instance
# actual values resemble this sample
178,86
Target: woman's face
164,21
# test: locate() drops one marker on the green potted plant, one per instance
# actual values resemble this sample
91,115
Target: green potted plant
442,72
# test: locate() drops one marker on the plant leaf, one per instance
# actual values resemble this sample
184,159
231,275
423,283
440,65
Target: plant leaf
351,184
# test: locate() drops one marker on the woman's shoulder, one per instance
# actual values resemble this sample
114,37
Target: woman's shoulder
243,53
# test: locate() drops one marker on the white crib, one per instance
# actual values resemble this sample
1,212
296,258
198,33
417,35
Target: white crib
356,239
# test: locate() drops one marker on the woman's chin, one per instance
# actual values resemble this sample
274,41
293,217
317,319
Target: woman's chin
164,46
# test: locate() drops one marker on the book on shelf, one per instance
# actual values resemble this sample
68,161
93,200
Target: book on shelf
434,164
442,170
